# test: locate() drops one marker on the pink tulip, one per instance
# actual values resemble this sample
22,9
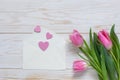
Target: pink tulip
79,65
76,38
105,39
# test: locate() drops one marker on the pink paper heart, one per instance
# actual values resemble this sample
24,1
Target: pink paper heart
37,29
49,35
43,45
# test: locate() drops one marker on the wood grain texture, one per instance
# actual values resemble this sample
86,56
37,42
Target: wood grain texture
18,18
47,74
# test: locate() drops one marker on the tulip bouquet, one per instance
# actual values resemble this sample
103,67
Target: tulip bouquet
102,53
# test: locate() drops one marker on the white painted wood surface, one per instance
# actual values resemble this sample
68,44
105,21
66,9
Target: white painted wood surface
18,17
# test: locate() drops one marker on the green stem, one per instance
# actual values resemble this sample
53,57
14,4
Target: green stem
93,62
113,56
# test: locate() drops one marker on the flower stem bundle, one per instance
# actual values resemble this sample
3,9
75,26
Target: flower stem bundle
102,52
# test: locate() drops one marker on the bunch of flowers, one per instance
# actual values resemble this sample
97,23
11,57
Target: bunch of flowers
102,53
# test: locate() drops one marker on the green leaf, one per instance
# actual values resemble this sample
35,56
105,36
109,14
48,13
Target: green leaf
96,47
92,51
90,36
109,65
114,36
103,64
115,41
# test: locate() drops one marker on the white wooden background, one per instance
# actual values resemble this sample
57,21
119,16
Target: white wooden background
18,17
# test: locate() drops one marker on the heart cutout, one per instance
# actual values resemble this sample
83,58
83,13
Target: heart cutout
49,35
37,29
43,45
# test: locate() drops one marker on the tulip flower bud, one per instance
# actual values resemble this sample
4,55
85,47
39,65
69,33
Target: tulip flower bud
79,65
76,38
105,39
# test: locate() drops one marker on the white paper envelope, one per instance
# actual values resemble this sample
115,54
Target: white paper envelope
53,57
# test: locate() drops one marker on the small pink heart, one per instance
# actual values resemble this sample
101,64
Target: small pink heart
49,35
37,29
43,45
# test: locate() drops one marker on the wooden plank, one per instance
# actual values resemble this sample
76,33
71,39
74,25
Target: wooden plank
9,79
30,5
60,29
11,44
47,74
10,62
77,18
11,50
73,13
